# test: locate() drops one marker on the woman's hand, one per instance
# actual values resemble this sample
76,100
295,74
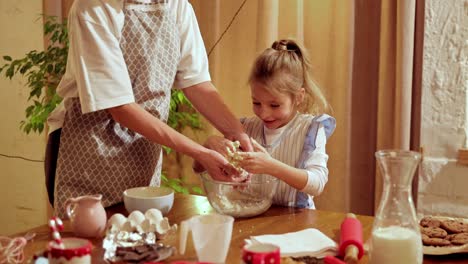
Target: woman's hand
244,140
224,147
216,165
220,144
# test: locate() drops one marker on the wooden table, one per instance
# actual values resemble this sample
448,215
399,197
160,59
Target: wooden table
276,220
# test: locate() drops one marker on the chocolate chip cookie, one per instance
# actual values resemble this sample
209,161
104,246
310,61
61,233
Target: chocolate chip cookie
434,241
459,239
430,222
434,232
454,226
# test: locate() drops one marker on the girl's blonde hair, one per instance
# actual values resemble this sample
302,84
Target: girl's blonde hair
285,68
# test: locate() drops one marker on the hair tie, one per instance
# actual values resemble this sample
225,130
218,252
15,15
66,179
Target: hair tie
282,46
286,46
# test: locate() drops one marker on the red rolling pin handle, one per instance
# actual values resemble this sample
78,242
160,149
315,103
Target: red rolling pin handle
351,246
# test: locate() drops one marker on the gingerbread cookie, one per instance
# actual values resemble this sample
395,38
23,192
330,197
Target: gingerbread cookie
434,232
459,239
430,222
454,226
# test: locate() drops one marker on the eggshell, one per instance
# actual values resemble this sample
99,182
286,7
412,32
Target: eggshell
148,226
128,226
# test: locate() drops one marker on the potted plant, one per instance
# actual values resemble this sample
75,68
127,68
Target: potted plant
43,71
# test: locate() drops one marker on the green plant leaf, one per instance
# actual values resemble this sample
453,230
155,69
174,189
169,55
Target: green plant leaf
43,70
10,72
197,190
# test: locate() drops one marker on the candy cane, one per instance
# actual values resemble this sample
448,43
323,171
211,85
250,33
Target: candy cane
56,225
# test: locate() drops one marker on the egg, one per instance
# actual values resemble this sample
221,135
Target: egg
136,217
117,220
154,215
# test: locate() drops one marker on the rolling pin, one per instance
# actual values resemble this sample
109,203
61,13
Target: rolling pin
351,246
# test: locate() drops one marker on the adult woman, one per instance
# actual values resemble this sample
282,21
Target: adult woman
124,58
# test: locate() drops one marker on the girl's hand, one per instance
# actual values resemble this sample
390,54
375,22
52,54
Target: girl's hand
256,162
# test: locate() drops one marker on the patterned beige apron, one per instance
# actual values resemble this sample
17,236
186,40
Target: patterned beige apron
98,155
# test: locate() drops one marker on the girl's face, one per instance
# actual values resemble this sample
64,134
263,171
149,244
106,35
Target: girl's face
274,110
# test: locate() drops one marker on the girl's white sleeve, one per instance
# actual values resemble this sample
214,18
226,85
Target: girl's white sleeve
316,166
98,64
193,66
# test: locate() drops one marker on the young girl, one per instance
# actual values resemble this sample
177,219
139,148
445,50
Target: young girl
289,143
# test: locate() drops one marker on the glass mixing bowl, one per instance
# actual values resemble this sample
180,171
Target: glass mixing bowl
241,199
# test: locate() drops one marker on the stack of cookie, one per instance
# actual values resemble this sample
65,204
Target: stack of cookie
443,232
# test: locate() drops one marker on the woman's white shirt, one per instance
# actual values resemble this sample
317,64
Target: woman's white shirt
96,70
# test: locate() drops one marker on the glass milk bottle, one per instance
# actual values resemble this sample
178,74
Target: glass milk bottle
395,233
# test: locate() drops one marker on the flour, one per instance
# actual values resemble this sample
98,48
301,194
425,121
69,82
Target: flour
239,204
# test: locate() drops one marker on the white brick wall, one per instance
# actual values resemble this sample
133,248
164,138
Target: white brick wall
443,184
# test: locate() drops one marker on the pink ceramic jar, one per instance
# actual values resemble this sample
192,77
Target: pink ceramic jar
87,215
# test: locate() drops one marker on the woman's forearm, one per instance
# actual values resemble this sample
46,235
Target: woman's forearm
135,118
206,99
